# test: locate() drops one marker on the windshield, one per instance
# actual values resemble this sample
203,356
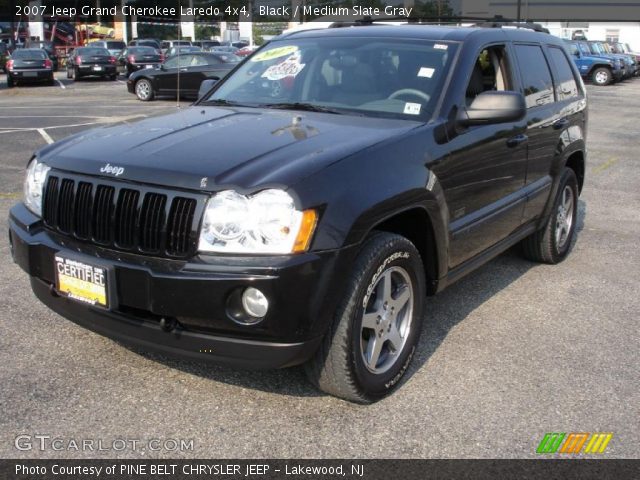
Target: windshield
372,77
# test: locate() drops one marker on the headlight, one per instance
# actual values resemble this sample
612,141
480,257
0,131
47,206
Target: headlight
34,185
267,222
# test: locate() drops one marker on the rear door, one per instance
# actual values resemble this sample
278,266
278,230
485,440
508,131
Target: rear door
567,124
545,121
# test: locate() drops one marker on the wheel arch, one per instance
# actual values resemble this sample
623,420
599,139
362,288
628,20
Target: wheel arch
416,225
576,162
595,66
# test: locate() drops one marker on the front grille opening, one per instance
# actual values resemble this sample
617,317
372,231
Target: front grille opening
126,216
179,227
120,217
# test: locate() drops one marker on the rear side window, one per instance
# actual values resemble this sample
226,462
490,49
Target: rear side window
536,77
566,85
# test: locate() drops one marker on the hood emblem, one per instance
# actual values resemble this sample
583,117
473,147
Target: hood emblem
203,182
112,170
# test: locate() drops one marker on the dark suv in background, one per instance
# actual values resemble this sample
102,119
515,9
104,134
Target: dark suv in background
305,207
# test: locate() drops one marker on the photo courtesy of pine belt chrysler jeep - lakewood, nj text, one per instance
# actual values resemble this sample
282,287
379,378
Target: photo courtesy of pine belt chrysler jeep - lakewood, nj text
306,206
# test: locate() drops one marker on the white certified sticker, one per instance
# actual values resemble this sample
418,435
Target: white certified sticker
412,108
426,72
291,67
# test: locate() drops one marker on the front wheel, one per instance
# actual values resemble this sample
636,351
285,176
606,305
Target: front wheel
551,244
144,90
602,76
376,327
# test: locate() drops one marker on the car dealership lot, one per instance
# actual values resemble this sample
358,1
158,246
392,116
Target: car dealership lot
509,353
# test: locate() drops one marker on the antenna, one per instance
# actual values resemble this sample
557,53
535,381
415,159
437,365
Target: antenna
179,61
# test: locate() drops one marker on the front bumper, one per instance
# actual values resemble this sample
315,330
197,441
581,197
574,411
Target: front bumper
303,293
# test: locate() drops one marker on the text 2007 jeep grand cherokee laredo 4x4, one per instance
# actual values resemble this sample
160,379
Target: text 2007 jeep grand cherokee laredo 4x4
303,209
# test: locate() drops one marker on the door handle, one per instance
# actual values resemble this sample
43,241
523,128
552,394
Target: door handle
517,140
560,124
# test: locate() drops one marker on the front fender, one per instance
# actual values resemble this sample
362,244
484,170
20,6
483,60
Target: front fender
360,192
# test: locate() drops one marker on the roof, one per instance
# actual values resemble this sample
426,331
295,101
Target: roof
427,32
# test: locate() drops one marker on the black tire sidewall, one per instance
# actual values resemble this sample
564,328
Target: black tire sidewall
406,256
568,178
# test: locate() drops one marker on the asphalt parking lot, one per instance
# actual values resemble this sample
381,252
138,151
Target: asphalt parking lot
507,354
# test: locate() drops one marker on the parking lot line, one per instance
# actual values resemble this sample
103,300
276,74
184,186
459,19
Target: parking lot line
45,135
61,84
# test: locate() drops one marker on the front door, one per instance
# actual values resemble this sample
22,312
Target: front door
484,176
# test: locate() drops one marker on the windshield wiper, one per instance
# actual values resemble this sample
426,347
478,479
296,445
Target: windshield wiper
301,106
221,101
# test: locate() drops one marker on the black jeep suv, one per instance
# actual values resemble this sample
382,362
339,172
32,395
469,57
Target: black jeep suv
302,210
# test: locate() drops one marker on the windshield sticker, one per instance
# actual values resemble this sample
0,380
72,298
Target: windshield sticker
440,46
412,108
291,67
426,72
274,53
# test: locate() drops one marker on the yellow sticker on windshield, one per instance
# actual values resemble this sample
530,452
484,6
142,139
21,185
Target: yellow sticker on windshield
274,53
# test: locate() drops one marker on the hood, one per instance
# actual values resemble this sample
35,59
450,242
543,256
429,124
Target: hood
212,148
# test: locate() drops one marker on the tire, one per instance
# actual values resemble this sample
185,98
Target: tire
10,82
51,81
69,74
601,76
343,365
75,74
144,90
549,244
113,77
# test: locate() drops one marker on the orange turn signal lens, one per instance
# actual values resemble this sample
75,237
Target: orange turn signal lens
307,227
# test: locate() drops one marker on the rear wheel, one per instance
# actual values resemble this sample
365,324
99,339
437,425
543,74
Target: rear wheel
551,244
601,76
144,90
10,82
371,342
76,75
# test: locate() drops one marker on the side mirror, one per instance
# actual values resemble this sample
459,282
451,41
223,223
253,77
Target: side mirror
205,86
493,107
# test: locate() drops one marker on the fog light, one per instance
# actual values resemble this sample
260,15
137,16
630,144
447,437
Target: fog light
254,302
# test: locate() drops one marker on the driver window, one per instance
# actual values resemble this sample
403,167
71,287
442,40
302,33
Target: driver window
490,72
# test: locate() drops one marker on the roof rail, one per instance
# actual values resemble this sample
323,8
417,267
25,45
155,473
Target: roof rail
499,21
482,22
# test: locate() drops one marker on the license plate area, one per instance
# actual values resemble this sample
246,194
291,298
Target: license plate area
82,282
30,74
97,68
